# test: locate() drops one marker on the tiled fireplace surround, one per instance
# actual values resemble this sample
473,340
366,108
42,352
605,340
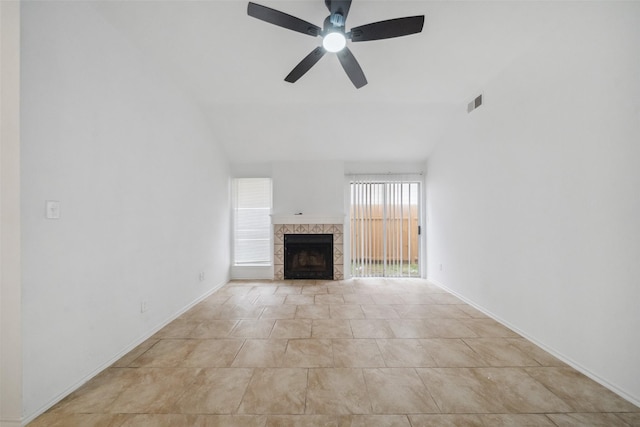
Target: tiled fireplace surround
311,227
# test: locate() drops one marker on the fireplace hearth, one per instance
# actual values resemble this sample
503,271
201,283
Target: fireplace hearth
308,256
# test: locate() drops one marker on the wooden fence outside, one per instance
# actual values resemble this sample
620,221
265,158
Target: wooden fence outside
367,233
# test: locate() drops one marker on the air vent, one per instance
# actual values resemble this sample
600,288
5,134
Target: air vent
474,104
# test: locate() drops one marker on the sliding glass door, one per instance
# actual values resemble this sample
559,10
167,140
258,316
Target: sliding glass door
385,226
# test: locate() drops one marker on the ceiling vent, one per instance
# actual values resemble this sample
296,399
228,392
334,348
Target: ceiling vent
474,104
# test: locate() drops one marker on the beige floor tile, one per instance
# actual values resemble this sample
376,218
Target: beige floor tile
580,392
300,299
447,420
448,328
340,288
285,311
587,419
473,312
292,328
315,290
233,420
79,420
353,298
371,328
405,353
329,299
379,311
218,353
248,299
215,391
213,329
520,420
357,353
360,352
302,421
216,298
489,328
127,359
166,353
275,391
446,298
179,328
489,390
374,421
232,312
261,353
429,311
308,353
632,418
452,353
162,420
500,352
312,312
153,390
345,311
253,328
97,394
337,391
270,300
386,298
331,328
535,352
263,289
289,290
413,298
398,391
411,328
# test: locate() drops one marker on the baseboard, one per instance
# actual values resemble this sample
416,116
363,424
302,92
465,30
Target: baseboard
10,423
559,355
114,359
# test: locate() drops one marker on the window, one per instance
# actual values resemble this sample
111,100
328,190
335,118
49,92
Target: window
251,221
385,226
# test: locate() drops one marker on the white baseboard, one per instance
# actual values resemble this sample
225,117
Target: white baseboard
559,355
114,359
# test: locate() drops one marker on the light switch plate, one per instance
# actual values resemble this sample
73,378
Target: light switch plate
52,209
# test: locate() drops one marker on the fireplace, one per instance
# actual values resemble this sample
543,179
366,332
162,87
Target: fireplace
307,224
308,256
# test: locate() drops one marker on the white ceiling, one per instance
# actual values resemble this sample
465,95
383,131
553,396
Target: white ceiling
233,67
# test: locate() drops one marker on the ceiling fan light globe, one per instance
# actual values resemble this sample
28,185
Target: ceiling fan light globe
334,42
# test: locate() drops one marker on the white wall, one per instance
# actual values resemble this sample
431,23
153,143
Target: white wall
310,187
144,199
10,291
533,199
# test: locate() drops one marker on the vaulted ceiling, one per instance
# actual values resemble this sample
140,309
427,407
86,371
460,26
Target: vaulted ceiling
233,66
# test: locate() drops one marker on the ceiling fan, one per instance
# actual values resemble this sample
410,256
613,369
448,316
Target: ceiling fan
334,36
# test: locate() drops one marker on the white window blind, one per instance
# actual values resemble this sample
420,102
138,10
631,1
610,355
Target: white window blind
384,226
252,223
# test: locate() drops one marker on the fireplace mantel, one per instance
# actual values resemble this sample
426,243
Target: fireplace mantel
306,219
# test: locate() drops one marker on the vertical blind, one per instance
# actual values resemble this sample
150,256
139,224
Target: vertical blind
384,226
252,223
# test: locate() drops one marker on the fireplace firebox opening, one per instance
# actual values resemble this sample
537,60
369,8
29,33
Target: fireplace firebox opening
308,256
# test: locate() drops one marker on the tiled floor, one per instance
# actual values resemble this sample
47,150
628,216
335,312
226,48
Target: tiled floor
375,352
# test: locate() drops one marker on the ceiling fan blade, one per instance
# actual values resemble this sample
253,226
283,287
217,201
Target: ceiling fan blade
338,6
388,29
352,68
305,65
283,20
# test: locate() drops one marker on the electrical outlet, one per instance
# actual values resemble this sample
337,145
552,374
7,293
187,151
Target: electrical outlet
52,209
201,276
144,306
